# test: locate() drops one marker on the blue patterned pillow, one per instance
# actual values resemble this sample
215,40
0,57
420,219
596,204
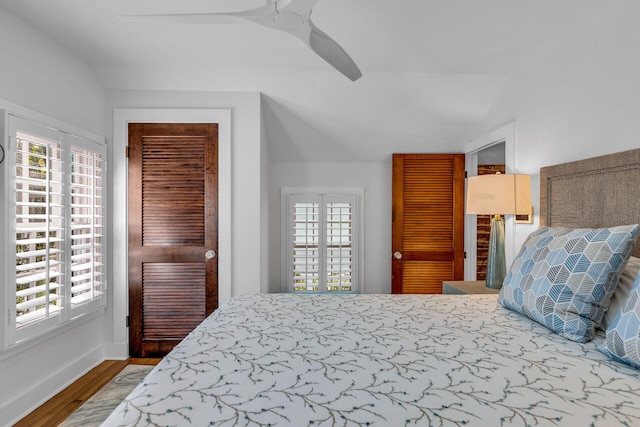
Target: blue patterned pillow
623,336
563,278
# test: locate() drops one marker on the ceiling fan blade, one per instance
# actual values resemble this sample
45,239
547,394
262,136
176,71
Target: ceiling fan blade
294,18
323,45
332,52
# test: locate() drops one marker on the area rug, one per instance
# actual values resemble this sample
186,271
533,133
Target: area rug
95,410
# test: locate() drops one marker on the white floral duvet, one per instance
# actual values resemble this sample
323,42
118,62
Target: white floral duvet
380,360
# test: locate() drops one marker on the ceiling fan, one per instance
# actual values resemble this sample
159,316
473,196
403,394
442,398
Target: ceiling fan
291,16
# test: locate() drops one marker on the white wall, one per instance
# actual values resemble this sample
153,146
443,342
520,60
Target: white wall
42,76
39,74
375,178
575,97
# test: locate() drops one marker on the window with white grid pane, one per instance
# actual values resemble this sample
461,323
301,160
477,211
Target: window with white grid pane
54,185
321,240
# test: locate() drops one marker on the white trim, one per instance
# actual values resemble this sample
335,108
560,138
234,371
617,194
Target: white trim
47,121
285,192
121,119
470,224
6,262
507,135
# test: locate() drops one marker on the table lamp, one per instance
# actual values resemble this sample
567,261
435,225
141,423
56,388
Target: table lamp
495,195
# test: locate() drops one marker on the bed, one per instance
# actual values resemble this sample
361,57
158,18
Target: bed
398,360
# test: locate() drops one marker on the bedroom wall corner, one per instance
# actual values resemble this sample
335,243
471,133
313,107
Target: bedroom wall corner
267,233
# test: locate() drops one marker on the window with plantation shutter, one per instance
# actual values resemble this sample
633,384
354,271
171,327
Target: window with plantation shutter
39,228
54,183
321,235
87,227
339,244
306,245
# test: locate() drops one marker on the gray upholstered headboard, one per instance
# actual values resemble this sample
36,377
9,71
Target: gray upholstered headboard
597,192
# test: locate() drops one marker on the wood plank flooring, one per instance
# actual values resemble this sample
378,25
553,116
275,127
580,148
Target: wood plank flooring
59,407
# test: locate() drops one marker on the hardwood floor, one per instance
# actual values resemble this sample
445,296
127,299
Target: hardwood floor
59,407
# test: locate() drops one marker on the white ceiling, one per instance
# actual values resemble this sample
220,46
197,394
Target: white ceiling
431,68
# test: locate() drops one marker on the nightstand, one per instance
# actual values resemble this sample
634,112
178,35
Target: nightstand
462,287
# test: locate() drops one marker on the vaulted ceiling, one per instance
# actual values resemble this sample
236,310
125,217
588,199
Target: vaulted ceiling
431,68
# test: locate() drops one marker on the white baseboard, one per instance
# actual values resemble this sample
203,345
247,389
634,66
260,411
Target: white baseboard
20,406
116,351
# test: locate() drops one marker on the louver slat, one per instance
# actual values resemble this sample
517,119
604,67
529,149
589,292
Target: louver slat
428,205
173,299
173,191
425,276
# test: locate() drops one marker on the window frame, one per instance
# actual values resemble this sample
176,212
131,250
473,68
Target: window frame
288,195
70,139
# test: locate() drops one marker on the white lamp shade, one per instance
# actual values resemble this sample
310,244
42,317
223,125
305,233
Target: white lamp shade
499,194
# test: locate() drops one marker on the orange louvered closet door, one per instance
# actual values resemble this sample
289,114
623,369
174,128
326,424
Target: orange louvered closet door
173,243
427,222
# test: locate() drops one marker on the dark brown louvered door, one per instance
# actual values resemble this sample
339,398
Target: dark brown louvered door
427,222
173,243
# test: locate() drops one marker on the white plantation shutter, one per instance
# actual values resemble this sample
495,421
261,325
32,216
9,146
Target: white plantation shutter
321,232
55,185
87,232
306,245
339,243
39,228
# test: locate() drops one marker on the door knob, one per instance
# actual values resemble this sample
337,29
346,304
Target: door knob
210,254
397,255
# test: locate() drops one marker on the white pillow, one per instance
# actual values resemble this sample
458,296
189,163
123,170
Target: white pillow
627,278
